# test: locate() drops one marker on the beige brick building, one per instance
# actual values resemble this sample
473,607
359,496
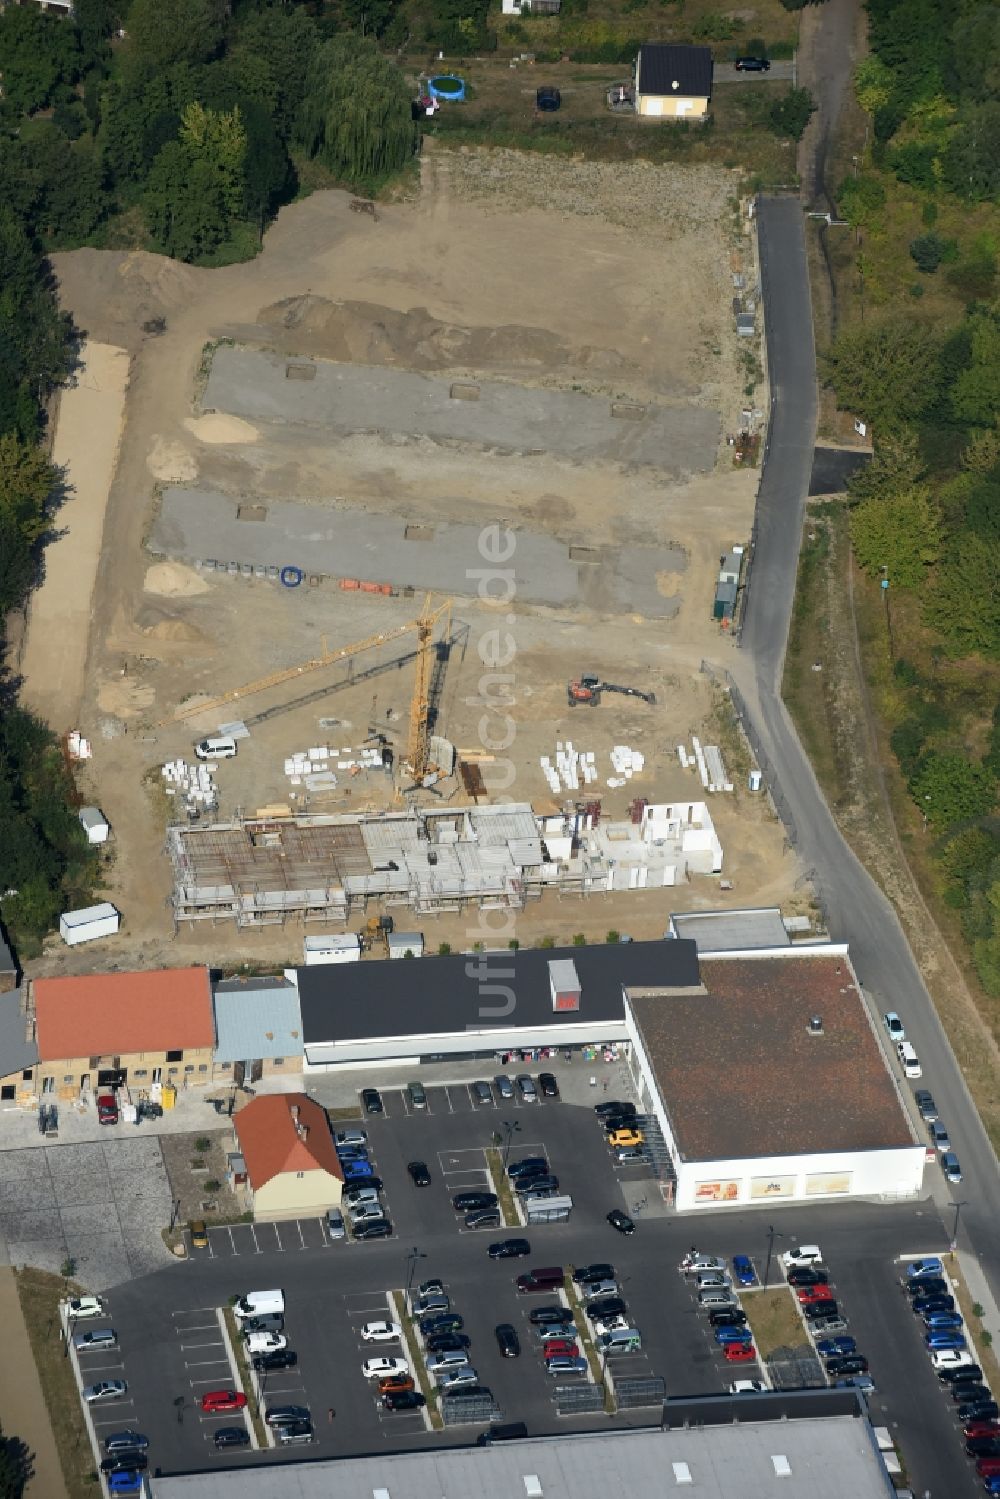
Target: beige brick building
292,1170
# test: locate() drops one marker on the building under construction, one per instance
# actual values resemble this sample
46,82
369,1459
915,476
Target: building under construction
262,871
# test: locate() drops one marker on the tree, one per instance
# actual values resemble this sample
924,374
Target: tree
790,116
873,84
927,252
964,603
901,535
37,53
185,204
219,141
268,174
34,336
975,396
356,112
896,467
885,370
285,41
970,165
17,1467
161,32
948,788
861,200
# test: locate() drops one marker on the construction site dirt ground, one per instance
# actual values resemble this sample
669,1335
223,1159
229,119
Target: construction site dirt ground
620,289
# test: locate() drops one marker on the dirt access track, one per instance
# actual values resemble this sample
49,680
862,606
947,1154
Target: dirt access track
580,282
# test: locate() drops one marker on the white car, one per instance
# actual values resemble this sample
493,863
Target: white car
351,1137
807,1254
748,1387
909,1061
378,1368
264,1342
951,1358
85,1306
894,1026
601,1326
381,1332
108,1389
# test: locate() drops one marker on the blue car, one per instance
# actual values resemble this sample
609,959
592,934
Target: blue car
724,1335
937,1340
125,1481
836,1346
743,1270
355,1171
351,1153
992,1485
920,1268
940,1320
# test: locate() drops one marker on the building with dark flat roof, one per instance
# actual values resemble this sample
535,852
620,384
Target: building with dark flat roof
672,82
478,1004
771,1084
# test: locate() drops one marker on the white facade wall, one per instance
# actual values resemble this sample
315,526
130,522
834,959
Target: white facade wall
388,1051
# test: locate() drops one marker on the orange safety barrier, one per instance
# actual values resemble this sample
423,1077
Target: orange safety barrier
370,587
349,583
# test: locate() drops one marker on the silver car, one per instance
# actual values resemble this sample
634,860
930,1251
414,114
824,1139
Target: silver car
104,1337
526,1088
335,1224
107,1389
504,1086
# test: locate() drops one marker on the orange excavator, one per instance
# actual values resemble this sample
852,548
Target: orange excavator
589,689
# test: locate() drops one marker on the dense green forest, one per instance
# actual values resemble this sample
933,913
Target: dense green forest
175,124
923,367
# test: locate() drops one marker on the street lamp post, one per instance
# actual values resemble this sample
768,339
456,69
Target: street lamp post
511,1127
958,1206
411,1261
70,1329
771,1236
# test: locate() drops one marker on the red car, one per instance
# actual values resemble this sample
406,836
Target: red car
988,1467
223,1400
740,1353
558,1346
982,1429
107,1109
812,1293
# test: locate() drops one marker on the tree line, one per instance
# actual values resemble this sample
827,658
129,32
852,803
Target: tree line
925,514
177,123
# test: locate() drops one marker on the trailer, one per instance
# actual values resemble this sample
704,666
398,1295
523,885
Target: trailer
89,924
548,1210
94,824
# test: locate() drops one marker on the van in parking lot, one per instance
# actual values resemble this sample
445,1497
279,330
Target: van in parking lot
545,1278
909,1059
259,1303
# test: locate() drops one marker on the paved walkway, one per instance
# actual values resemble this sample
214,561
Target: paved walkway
22,1405
980,1292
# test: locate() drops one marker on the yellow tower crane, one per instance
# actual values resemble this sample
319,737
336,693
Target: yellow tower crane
419,734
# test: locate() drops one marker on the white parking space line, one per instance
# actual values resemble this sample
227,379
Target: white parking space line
197,1327
473,1159
204,1363
302,1242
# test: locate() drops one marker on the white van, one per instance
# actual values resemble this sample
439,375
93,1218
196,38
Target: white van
909,1060
259,1304
222,747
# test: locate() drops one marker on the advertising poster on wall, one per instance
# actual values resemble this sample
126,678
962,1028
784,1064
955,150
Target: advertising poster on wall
724,1191
827,1183
772,1186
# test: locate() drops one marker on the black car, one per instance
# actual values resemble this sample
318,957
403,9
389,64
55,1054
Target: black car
447,1342
615,1106
547,1316
354,1189
378,1228
231,1436
483,1218
982,1446
509,1249
814,1309
725,1318
605,1307
978,1410
583,1273
467,1202
284,1358
267,1322
805,1275
615,1122
507,1340
752,65
926,1106
621,1221
371,1098
403,1400
526,1184
965,1394
963,1374
531,1165
419,1173
924,1304
441,1322
927,1285
847,1363
286,1415
547,99
546,1080
131,1460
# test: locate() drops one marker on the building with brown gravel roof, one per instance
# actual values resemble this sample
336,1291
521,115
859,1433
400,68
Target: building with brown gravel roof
772,1084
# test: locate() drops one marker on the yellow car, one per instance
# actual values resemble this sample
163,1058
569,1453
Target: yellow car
625,1137
199,1234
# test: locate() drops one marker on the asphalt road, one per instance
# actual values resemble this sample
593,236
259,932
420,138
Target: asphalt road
858,911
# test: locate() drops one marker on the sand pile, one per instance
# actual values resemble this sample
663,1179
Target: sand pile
216,427
172,580
170,461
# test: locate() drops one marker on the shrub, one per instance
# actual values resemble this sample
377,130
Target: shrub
790,116
202,1144
612,937
444,948
927,252
579,940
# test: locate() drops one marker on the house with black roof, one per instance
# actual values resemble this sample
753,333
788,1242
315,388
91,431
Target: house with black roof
673,83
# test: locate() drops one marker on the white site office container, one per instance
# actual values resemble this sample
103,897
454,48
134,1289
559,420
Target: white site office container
88,924
343,948
94,824
400,943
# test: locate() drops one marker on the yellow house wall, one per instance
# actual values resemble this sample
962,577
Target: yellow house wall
75,1068
659,106
293,1196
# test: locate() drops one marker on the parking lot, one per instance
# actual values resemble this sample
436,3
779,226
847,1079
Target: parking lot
172,1349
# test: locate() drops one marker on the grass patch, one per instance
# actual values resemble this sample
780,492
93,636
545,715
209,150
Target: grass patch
40,1294
501,1182
428,1388
336,1116
246,1384
589,1348
774,1320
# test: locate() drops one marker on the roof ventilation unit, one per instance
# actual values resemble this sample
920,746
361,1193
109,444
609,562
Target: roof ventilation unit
532,1485
782,1467
682,1473
815,1025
